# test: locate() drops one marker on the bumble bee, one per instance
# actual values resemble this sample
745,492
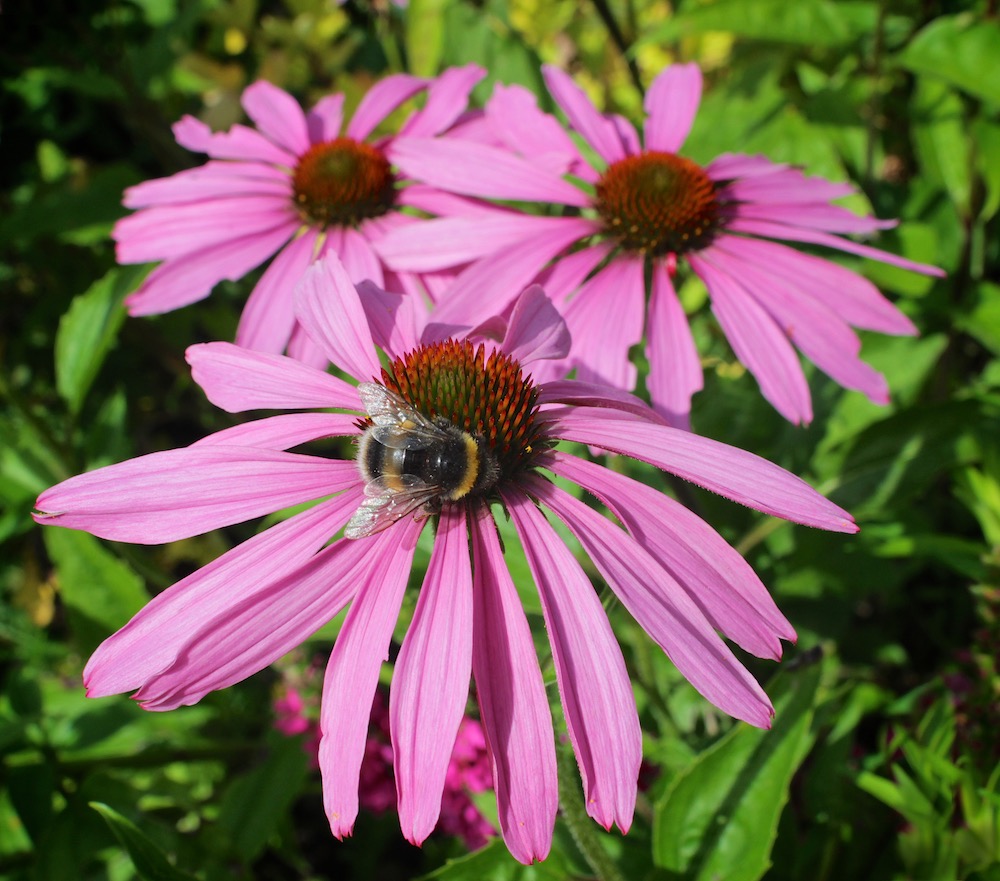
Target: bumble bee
410,462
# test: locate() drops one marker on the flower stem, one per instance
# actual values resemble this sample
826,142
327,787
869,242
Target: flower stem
580,826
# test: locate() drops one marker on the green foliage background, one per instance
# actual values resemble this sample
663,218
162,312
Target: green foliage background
883,759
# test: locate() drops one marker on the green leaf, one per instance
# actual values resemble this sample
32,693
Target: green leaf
720,817
255,804
983,322
151,863
940,133
807,22
89,329
425,35
961,51
101,592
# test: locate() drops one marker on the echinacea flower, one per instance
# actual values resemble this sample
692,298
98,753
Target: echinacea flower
297,186
634,215
678,578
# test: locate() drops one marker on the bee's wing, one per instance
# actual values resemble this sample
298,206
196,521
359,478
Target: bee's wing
396,424
385,503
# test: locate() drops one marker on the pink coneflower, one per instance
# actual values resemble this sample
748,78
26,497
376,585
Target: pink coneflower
674,574
633,216
297,186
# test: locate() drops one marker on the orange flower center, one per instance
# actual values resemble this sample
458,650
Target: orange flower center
342,183
489,397
658,203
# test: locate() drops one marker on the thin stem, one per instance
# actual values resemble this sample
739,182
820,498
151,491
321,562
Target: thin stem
580,826
604,11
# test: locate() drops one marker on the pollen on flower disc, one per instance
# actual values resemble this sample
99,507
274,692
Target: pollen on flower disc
489,397
342,182
658,203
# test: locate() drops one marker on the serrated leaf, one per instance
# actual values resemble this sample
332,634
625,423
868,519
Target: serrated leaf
958,49
151,863
100,591
89,329
720,817
255,804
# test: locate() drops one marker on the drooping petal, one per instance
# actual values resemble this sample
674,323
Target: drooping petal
278,115
260,628
758,342
192,277
599,132
380,100
481,170
153,638
430,683
593,683
535,331
352,673
515,118
447,97
671,105
728,471
675,373
168,231
283,432
605,321
175,494
661,607
512,702
237,379
715,576
589,394
328,307
240,142
268,316
395,319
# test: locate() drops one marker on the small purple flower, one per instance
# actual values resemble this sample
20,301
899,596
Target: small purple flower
634,215
297,186
677,577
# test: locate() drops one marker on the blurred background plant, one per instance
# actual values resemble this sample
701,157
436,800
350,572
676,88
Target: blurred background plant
883,759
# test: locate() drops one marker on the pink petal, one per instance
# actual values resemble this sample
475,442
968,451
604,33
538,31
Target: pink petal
283,432
599,132
512,702
481,170
154,637
268,315
259,629
301,348
210,181
818,332
328,307
237,379
758,343
780,231
452,241
605,321
524,129
728,471
593,683
175,494
627,133
360,261
430,683
588,394
489,285
394,319
380,100
536,330
277,115
719,581
675,373
239,142
856,300
325,119
164,232
671,105
192,277
352,674
831,218
786,186
661,608
447,97
434,201
729,166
